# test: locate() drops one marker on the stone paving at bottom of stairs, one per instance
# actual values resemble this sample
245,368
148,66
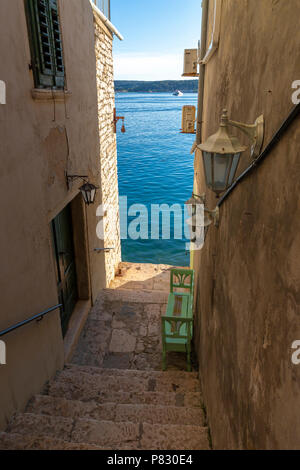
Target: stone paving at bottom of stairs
123,329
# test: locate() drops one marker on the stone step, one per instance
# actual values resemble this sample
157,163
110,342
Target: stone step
84,387
116,380
142,296
15,441
101,433
107,434
173,437
56,406
157,374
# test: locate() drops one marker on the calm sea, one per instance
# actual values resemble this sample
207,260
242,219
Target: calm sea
154,166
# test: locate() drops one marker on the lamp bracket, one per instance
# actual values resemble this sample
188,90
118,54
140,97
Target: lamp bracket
115,121
194,146
70,178
214,215
255,132
202,197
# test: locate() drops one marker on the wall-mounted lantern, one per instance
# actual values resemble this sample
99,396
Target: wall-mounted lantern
221,152
88,190
115,121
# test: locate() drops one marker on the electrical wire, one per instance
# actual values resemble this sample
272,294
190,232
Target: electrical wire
273,142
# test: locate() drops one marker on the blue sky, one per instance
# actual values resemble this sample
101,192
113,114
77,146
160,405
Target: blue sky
155,34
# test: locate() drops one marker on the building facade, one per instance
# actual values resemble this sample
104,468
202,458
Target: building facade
247,274
57,121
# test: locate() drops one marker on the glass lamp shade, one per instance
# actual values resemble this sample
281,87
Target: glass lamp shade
221,154
220,169
88,191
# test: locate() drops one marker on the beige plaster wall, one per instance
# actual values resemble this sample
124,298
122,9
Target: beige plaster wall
248,273
39,141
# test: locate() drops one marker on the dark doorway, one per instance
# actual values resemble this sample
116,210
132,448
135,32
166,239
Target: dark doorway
65,262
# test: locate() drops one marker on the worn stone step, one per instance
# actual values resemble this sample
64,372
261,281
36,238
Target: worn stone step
15,441
106,434
56,406
142,296
160,414
116,380
85,388
90,431
157,374
145,276
173,437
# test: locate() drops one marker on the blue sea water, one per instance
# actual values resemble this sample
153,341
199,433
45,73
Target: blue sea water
154,167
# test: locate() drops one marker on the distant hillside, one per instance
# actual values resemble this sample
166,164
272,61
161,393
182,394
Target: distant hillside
165,86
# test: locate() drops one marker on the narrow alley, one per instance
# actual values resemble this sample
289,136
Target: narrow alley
149,238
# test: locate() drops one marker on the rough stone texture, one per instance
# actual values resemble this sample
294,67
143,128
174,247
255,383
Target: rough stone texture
178,375
105,432
88,407
56,406
248,273
159,414
121,341
167,437
14,441
108,148
41,425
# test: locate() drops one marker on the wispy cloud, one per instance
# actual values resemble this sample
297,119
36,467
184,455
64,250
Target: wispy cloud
148,67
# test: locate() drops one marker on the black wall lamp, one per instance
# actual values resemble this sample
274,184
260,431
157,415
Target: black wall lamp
88,190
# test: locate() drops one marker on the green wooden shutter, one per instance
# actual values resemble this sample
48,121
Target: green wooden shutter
46,44
57,44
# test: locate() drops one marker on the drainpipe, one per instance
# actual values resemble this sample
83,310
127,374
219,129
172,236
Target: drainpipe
106,21
205,4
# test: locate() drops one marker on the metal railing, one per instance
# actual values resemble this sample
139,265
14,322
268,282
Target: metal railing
37,317
104,6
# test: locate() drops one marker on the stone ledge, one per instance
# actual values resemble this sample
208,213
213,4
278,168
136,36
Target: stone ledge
45,95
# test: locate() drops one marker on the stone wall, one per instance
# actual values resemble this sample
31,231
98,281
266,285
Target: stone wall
248,275
108,148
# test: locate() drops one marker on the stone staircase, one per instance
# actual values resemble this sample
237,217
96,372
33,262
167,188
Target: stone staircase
90,405
93,408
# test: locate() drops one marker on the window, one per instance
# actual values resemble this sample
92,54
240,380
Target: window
104,6
46,43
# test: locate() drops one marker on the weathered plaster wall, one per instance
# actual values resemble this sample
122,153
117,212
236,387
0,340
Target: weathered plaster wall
39,141
108,147
248,273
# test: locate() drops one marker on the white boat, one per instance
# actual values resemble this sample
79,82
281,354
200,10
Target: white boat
177,93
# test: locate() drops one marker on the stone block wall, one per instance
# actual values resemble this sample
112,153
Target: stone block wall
108,147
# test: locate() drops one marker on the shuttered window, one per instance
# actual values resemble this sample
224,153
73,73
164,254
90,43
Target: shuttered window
46,43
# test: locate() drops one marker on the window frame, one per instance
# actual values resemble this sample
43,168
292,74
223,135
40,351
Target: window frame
45,77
